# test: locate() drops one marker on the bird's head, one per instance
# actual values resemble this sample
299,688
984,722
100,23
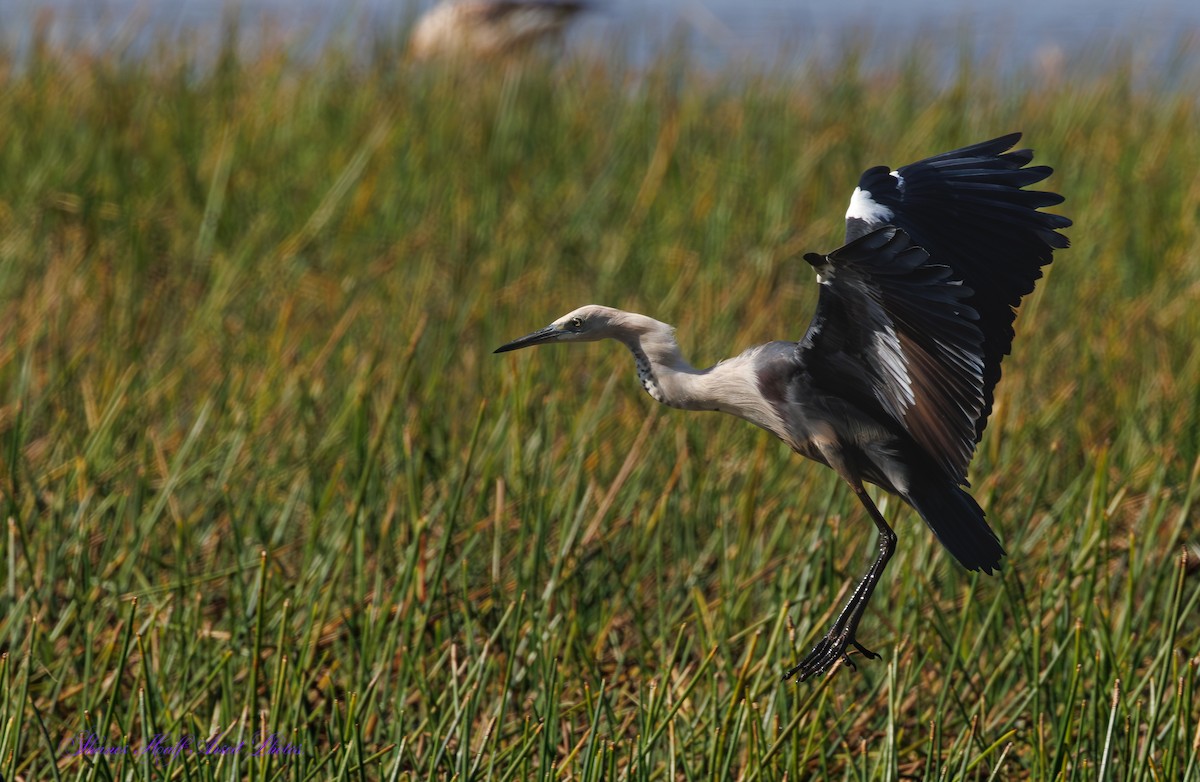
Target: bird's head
589,323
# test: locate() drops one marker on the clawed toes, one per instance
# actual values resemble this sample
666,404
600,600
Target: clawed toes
865,652
824,655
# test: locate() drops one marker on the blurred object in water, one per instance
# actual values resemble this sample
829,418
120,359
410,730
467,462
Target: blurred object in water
488,29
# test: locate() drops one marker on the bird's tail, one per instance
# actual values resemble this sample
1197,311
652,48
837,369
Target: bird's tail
958,522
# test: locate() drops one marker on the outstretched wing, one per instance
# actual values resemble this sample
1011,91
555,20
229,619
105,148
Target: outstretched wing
893,324
968,210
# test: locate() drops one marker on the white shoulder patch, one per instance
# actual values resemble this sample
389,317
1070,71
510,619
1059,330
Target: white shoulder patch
863,207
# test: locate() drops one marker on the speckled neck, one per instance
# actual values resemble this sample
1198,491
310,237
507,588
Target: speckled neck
646,374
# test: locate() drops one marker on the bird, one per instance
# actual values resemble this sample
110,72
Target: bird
894,379
489,29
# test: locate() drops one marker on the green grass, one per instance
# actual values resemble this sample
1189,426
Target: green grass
260,470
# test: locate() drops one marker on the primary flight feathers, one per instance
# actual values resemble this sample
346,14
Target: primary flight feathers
967,209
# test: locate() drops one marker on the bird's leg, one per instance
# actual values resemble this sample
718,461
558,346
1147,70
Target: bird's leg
833,646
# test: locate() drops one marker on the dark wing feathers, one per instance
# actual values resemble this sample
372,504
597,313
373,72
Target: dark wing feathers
966,208
504,10
895,326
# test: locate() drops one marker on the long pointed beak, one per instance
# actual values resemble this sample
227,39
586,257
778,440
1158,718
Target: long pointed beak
539,337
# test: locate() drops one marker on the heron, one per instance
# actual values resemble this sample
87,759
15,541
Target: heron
490,28
894,379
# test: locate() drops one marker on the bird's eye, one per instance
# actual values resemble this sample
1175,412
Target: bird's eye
577,323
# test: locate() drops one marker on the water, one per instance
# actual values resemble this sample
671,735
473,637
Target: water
766,33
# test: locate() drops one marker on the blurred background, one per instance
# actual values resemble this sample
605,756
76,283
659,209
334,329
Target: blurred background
260,470
719,33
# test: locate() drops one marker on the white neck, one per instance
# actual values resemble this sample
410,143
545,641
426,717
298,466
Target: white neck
731,386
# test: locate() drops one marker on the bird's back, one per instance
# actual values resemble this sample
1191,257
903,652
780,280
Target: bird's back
854,433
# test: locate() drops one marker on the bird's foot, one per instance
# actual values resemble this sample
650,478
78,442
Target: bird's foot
826,653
